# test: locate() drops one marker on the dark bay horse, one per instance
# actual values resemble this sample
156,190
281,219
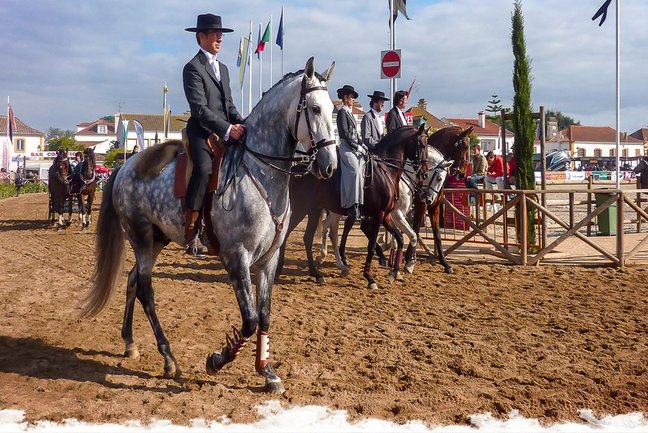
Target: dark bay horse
248,217
454,143
309,196
59,189
84,183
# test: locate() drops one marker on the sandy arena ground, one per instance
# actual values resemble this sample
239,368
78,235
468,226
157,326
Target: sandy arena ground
545,340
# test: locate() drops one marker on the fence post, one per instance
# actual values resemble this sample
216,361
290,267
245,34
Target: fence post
589,203
524,225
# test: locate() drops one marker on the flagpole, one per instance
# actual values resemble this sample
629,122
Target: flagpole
260,64
618,91
241,82
271,44
392,44
249,60
283,42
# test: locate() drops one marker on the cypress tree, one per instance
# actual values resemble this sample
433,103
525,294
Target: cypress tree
523,123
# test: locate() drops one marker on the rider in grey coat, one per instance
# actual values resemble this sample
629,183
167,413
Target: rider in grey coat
352,154
371,127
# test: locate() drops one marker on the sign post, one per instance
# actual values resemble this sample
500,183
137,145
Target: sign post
390,64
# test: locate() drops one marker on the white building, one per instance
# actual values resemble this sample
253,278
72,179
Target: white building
28,145
488,133
600,142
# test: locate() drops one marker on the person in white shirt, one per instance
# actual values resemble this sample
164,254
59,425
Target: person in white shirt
395,117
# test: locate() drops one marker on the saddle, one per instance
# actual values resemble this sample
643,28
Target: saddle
184,167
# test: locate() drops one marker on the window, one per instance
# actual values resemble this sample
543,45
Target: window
20,145
612,152
581,152
637,152
598,153
624,153
102,129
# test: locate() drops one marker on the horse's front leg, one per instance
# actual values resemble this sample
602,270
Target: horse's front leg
370,227
265,282
434,211
401,223
394,273
348,224
334,237
326,225
309,234
89,208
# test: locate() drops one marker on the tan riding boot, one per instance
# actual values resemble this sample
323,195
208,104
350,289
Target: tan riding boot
192,244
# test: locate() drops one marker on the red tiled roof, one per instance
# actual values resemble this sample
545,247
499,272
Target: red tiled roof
641,134
21,127
596,134
431,120
489,128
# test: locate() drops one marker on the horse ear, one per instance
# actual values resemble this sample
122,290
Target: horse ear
328,72
467,132
309,69
449,163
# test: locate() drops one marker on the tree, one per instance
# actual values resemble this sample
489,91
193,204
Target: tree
563,121
57,133
64,143
495,107
523,123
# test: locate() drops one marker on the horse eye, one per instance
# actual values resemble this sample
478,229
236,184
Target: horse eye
317,109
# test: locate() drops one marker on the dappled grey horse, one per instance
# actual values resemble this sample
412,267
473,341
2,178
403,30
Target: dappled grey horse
249,215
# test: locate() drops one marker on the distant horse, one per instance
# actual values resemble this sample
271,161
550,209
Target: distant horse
248,217
59,189
84,183
412,186
309,196
454,143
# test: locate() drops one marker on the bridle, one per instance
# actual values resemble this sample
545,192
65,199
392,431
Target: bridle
462,162
430,184
304,163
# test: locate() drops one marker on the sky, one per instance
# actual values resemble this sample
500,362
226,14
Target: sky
70,61
275,419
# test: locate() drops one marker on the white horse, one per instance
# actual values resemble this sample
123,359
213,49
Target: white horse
428,189
247,216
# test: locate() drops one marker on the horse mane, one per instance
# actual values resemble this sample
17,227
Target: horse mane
395,136
151,161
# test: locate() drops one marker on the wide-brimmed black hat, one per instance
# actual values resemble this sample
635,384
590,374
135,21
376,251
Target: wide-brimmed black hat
209,22
347,90
377,94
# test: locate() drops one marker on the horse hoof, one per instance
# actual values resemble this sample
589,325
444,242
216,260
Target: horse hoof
373,286
131,352
449,270
392,277
345,272
319,260
320,280
214,363
171,372
274,386
382,262
399,276
409,267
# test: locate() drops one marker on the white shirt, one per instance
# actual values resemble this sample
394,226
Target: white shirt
402,116
378,121
213,61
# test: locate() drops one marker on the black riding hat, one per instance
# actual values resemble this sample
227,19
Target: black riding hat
377,94
209,22
347,90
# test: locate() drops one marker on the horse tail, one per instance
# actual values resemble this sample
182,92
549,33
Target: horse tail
109,251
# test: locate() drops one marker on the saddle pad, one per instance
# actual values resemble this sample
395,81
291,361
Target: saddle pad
184,165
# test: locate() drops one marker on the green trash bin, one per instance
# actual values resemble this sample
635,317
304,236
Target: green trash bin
607,220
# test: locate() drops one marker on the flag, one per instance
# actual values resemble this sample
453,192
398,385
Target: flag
262,41
12,123
240,53
167,122
399,5
409,92
165,90
244,59
122,132
139,131
280,32
602,12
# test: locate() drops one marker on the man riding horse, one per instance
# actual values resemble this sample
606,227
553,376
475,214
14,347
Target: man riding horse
207,88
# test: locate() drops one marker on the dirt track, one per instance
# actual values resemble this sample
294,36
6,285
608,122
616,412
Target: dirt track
545,340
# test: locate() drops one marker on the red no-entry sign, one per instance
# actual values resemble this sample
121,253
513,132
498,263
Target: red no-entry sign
390,64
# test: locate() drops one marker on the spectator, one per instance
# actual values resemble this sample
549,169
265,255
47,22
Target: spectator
19,181
479,166
494,172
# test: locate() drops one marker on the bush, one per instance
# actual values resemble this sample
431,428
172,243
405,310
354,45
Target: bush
9,190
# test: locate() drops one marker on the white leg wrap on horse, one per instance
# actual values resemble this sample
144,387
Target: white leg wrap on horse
236,343
262,350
